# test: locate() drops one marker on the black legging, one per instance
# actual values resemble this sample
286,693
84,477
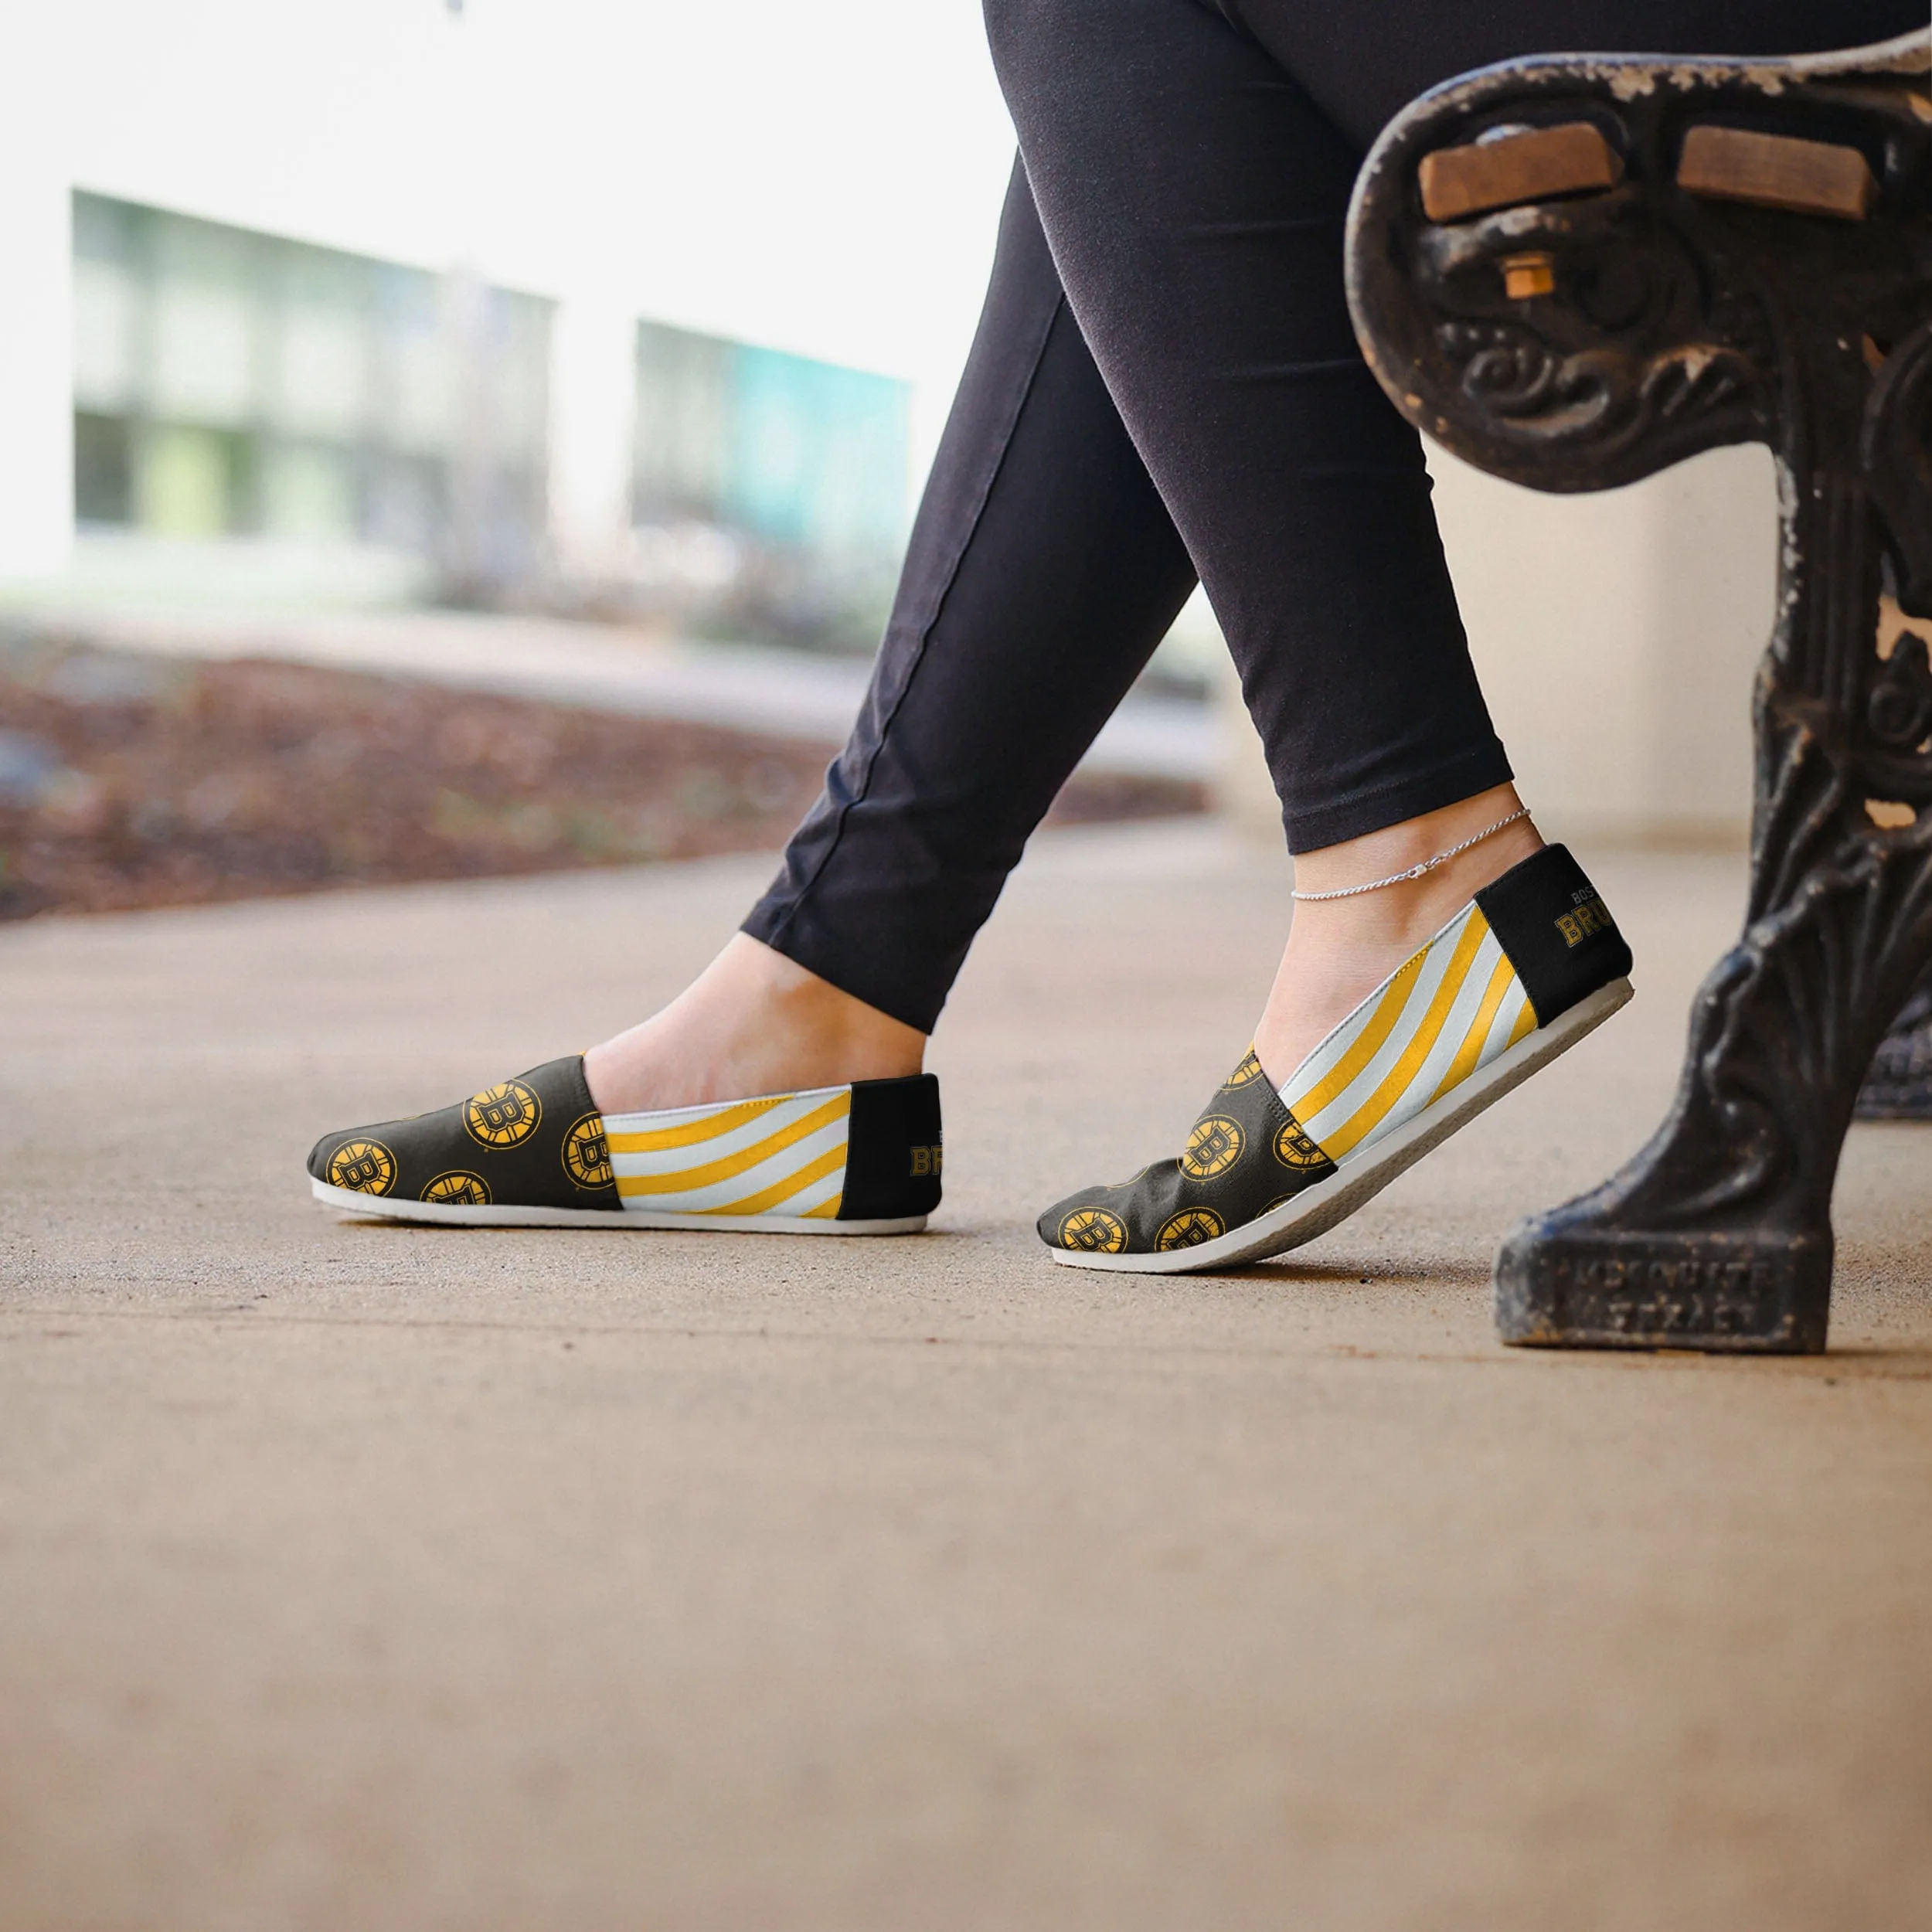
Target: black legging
1164,382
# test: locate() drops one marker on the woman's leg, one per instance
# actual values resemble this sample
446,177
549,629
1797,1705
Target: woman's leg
1193,181
1043,569
1192,161
1362,65
1194,196
1199,193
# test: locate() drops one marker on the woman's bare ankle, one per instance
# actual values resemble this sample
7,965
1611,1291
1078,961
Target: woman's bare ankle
1340,950
752,1022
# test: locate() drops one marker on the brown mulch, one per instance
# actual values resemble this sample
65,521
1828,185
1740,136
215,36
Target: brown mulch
130,781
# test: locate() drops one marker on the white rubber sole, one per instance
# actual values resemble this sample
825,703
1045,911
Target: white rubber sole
450,1214
1318,1209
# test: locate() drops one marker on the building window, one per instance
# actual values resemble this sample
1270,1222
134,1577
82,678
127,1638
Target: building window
774,483
229,383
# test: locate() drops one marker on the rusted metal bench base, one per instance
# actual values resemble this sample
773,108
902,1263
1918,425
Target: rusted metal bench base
1899,1086
1558,1286
1575,272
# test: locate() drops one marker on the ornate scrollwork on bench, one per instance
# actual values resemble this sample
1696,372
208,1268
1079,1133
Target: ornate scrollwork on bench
1574,273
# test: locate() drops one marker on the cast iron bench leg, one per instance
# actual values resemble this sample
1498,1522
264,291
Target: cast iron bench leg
1898,1085
1619,263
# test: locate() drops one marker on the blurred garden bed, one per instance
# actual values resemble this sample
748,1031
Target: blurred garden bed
129,780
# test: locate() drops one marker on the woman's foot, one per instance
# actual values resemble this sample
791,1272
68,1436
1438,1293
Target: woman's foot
1339,951
1432,1012
762,1100
752,1022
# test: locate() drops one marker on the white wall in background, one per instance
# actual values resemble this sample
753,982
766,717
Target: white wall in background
593,401
36,379
1617,636
825,179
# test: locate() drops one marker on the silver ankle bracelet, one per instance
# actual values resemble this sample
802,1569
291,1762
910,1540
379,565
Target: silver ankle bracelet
1428,866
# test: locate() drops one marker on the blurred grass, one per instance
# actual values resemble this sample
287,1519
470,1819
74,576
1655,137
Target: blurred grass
128,781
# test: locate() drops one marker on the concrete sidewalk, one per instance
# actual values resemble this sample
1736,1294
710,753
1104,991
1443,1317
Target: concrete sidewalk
360,1577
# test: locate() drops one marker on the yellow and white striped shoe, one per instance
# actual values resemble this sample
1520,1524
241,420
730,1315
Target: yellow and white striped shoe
534,1151
1528,966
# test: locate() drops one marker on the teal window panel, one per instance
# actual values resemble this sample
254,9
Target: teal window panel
817,455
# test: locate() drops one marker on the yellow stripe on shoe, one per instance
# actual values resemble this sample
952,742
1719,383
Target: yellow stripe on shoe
767,1198
1443,1015
1339,1060
1416,1047
710,1123
785,1152
1471,1055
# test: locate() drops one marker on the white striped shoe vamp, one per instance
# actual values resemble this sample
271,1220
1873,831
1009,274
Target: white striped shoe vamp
784,1155
1446,1012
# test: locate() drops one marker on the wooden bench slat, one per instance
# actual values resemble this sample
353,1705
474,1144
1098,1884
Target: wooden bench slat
1531,164
1776,170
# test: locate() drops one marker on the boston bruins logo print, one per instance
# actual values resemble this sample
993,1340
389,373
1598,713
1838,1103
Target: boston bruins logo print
1189,1229
502,1116
1294,1149
366,1166
587,1152
459,1187
1249,1071
1213,1148
1093,1231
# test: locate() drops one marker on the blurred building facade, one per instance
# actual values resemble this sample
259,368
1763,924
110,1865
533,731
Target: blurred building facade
231,386
606,172
228,383
776,482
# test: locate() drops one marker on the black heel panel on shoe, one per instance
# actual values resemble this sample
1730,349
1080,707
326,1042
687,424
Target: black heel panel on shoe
1558,935
537,1141
894,1150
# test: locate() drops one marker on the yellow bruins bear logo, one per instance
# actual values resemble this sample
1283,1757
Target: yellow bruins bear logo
502,1116
1294,1149
1213,1148
587,1152
458,1188
1249,1070
366,1166
1189,1229
1093,1231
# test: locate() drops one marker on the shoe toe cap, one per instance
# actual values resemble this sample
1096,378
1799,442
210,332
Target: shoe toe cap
319,1154
1047,1226
1094,1221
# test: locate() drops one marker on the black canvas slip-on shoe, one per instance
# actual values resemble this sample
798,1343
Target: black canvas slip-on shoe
535,1152
1528,966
